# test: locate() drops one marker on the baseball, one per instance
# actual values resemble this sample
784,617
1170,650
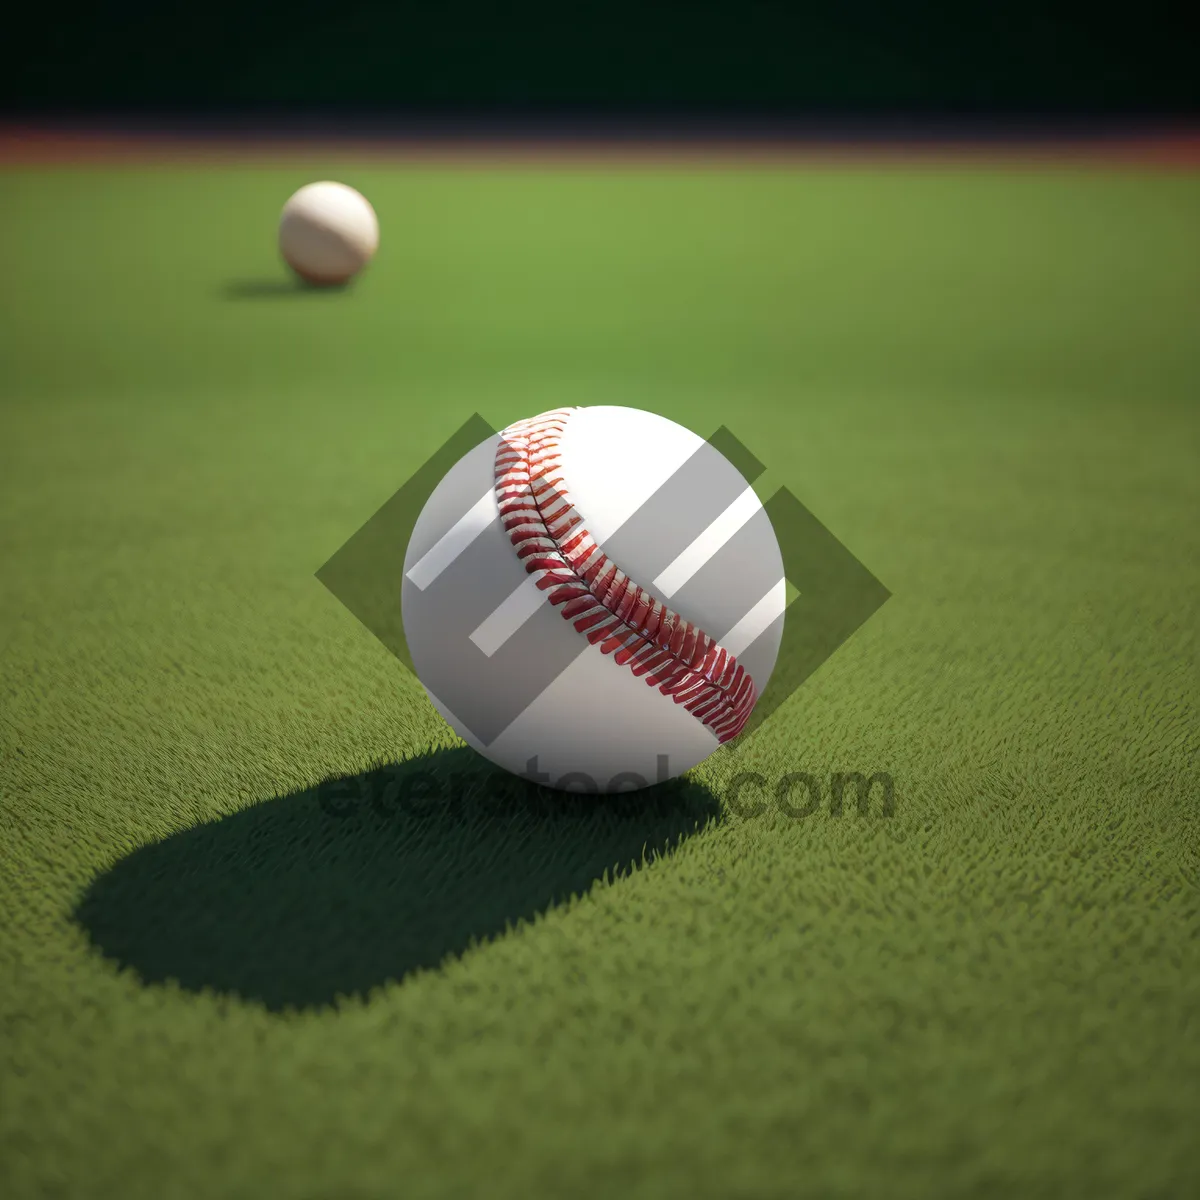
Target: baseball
594,599
328,232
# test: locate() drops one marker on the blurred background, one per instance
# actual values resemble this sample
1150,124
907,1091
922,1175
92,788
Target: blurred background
982,382
812,67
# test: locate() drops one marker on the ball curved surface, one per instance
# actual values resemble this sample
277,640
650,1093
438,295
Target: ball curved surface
328,232
502,658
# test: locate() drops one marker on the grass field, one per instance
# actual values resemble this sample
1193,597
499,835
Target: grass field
985,382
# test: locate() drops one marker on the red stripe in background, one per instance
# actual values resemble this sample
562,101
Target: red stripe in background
30,146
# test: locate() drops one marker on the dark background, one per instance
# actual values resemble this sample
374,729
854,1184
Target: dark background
470,60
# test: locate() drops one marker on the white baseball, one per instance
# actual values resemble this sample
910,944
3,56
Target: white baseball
328,232
594,599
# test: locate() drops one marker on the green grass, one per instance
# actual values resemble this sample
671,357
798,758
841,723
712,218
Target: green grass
985,383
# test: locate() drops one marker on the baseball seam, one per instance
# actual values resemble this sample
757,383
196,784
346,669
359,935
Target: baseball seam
591,591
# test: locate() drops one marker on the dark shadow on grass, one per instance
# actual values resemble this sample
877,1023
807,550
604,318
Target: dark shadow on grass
277,289
334,891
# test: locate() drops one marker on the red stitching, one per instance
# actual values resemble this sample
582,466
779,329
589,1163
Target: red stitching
602,602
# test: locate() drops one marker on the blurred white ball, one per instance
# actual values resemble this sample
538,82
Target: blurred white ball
328,232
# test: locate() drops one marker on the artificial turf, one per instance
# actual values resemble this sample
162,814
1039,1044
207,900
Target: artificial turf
218,980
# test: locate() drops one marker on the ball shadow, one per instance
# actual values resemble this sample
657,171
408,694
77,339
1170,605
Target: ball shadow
363,880
278,289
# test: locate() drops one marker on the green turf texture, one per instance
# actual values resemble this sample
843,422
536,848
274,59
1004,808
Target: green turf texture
984,382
